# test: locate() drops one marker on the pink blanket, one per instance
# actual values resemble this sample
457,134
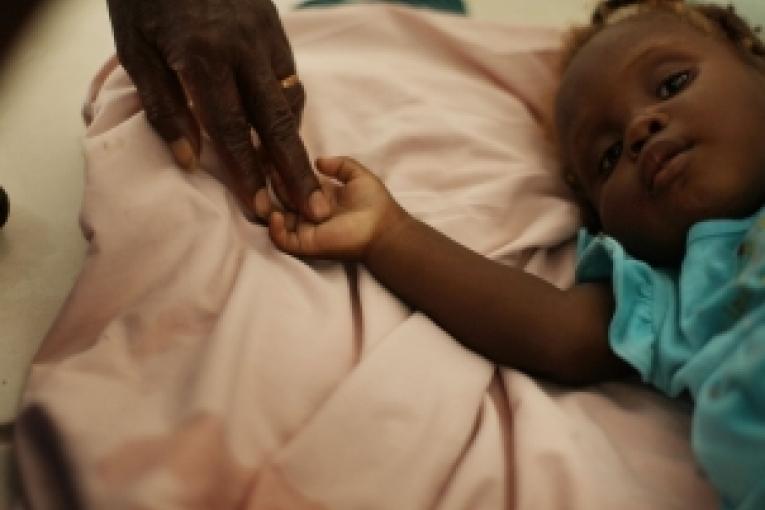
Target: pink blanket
196,367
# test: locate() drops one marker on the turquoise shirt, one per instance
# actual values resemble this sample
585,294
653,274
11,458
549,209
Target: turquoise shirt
699,329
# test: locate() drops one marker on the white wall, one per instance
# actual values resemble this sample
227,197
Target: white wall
546,12
752,10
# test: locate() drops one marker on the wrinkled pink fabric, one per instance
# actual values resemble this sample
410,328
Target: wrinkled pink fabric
194,366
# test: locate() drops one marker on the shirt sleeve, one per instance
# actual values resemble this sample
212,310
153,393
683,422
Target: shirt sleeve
644,328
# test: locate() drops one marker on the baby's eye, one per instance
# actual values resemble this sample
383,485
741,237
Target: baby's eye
673,84
610,158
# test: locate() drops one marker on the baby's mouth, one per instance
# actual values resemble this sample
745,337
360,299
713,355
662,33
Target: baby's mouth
661,161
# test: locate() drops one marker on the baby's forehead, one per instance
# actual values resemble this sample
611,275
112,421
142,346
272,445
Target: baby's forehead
614,47
597,68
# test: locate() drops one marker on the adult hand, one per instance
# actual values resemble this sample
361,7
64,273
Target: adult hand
232,61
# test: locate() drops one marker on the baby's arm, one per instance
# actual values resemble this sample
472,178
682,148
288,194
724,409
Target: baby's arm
509,316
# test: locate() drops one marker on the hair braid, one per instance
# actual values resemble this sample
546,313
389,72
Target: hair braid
707,17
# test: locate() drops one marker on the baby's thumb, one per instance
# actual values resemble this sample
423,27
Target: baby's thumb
342,168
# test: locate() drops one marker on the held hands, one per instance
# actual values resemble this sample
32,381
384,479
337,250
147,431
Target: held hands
231,58
363,214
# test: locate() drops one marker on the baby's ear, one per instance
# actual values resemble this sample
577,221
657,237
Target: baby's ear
589,214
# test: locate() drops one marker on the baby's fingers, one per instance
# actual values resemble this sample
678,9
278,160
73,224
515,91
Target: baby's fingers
291,235
342,168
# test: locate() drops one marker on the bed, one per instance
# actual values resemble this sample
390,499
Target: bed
193,366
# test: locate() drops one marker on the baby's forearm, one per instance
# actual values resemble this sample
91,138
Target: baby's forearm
509,316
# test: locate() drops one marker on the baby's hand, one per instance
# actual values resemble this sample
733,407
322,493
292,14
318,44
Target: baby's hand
362,210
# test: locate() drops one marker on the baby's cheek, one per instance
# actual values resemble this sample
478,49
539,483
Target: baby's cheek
617,207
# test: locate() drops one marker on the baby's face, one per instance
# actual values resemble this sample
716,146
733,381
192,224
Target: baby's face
663,126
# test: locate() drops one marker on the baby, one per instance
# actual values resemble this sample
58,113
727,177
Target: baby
661,125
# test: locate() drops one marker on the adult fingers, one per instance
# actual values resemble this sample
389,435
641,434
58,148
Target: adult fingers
163,99
263,203
216,98
277,184
276,124
280,188
283,66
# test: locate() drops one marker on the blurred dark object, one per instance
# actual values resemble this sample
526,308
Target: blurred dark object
14,14
5,207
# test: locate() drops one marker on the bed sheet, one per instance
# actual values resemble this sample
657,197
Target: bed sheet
195,366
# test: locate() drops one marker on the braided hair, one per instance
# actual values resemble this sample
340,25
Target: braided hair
709,18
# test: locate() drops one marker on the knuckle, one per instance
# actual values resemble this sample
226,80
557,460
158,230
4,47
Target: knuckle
201,52
240,148
282,125
296,97
189,53
232,129
235,140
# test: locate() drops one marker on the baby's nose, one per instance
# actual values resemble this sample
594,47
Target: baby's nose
641,129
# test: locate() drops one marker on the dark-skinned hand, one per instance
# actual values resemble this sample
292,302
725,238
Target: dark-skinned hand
229,59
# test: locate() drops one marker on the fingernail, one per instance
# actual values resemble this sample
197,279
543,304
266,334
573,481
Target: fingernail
319,205
262,203
183,154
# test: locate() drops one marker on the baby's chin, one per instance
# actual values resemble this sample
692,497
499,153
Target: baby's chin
660,249
658,252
